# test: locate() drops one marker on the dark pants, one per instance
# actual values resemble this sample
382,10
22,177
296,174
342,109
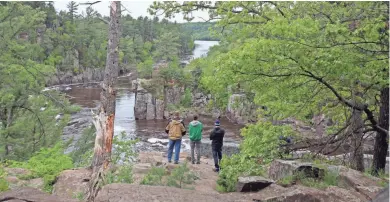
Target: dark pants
217,155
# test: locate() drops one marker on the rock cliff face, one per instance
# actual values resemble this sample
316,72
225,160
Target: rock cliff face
88,75
240,109
147,106
85,76
153,104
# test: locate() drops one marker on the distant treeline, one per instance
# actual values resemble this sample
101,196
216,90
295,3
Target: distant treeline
202,30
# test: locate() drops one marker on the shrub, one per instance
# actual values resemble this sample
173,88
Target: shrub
259,147
181,176
154,176
233,167
47,164
123,149
83,150
125,174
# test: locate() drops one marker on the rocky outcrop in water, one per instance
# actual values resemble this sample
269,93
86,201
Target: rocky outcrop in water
147,106
152,103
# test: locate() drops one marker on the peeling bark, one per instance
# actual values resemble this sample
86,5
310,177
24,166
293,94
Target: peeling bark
104,121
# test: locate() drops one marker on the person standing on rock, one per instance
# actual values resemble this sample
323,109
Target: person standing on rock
195,130
217,142
175,130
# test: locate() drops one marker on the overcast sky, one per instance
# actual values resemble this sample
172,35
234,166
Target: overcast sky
136,8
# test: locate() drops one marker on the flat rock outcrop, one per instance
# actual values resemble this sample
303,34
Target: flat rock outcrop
27,194
143,193
72,182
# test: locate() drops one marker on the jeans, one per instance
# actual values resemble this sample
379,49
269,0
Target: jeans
195,145
177,145
217,155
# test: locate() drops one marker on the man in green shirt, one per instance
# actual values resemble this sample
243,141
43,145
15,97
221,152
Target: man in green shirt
195,131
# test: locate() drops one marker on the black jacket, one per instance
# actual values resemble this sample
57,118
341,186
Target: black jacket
217,137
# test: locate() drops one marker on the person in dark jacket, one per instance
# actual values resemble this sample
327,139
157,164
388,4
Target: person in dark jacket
217,142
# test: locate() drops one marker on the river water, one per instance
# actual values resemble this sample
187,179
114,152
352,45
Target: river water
151,132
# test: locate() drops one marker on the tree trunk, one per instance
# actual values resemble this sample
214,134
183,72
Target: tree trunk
104,121
381,144
357,127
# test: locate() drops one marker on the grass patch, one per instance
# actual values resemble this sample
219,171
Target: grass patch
4,186
180,177
287,181
79,196
330,178
384,182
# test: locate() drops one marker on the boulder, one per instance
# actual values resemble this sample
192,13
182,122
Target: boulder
153,158
306,194
36,183
71,182
31,195
141,168
383,196
355,180
252,183
282,168
144,193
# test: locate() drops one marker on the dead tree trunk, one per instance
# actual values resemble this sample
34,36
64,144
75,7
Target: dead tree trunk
104,121
381,144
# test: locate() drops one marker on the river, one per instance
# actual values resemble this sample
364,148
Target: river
151,132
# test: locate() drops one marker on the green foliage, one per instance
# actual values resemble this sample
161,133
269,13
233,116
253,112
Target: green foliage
47,164
26,113
384,182
330,178
79,196
123,149
123,154
83,149
3,182
124,174
287,181
154,176
145,69
262,141
259,147
181,176
315,58
201,30
235,166
186,100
